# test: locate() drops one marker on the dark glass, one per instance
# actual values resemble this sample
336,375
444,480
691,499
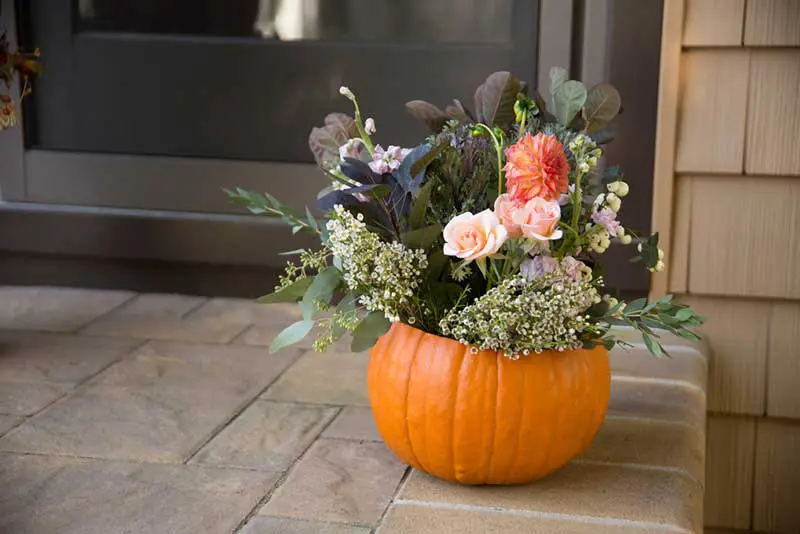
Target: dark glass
413,21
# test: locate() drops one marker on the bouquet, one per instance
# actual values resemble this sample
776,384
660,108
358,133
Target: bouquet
491,231
11,64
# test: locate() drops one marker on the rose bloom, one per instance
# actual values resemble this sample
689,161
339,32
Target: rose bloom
470,237
504,208
538,219
536,166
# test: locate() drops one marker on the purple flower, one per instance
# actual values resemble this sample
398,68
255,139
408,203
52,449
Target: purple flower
353,148
538,266
388,160
607,218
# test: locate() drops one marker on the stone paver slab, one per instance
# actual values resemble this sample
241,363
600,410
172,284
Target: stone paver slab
7,422
157,424
243,371
650,443
46,363
268,435
597,491
416,519
324,378
27,338
652,399
70,496
164,317
24,398
282,525
337,480
356,423
55,309
684,364
246,312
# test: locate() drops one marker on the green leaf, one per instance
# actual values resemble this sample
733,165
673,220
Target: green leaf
495,98
635,305
420,208
291,335
311,220
654,347
422,163
558,75
437,262
568,101
602,105
346,304
321,289
371,327
684,314
422,238
291,293
481,263
294,252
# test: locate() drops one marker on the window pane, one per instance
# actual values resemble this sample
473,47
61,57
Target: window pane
417,21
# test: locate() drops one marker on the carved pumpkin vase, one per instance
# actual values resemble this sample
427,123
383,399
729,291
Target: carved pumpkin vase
483,418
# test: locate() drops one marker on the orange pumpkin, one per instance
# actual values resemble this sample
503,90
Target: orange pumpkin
483,418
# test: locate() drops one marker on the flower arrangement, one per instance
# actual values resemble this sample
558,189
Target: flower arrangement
11,64
489,232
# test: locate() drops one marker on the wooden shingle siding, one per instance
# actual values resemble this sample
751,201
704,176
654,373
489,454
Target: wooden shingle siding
783,363
737,332
712,111
773,116
777,477
713,23
772,23
745,236
730,444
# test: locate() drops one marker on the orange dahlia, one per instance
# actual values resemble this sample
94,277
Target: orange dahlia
536,166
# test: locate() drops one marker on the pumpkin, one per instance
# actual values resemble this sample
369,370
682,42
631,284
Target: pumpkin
483,418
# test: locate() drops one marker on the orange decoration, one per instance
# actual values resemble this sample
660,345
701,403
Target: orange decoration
483,418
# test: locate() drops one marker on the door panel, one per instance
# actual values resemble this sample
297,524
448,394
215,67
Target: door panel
203,86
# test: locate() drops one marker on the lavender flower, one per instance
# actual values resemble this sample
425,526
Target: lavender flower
537,267
388,160
606,218
354,148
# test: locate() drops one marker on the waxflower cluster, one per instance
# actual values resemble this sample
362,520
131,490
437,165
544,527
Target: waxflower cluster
519,318
385,274
491,231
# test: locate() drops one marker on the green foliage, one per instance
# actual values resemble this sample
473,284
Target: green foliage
291,335
289,293
371,327
270,206
495,98
320,292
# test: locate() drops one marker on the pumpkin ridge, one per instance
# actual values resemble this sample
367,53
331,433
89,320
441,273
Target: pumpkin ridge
494,422
519,434
556,384
462,357
408,389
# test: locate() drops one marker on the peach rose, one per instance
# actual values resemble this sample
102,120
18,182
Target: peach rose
504,208
538,219
470,237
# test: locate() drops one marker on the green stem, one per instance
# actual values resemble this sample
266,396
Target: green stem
498,147
522,125
361,130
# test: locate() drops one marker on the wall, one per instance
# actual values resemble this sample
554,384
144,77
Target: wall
727,200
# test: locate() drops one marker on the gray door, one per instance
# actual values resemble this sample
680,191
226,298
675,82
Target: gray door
149,107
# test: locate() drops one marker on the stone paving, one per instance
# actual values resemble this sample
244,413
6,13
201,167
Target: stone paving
125,413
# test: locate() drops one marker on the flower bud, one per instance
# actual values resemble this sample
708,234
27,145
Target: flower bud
369,126
622,189
626,239
345,91
639,247
659,266
613,202
660,254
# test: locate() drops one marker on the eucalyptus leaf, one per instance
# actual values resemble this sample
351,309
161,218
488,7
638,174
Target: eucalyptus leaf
320,290
568,100
369,330
602,105
423,237
294,252
311,220
684,314
433,117
291,293
635,305
291,335
494,99
654,347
